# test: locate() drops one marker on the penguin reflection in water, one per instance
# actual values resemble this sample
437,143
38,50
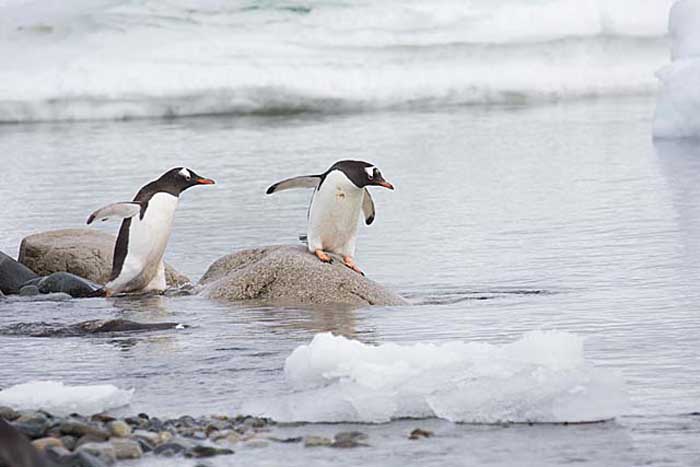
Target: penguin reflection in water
339,196
145,230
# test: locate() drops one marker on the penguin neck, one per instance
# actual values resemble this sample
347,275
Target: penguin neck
336,180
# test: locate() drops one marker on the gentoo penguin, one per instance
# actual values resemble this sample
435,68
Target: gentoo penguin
145,230
340,193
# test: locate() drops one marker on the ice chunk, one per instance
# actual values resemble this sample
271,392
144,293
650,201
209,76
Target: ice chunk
59,399
542,377
678,104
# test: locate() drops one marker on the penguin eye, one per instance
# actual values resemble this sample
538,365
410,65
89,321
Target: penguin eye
186,174
371,172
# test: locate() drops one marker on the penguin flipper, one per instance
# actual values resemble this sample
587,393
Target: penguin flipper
304,181
123,210
368,207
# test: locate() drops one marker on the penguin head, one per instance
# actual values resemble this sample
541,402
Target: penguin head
179,179
362,174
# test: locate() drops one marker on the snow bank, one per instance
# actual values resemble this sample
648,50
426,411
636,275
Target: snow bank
678,105
540,378
59,399
119,59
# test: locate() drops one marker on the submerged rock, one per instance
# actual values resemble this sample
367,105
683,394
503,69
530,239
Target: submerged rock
13,275
84,252
290,275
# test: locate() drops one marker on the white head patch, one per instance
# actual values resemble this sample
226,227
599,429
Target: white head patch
370,172
185,173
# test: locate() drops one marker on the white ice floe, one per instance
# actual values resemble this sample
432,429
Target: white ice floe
85,59
59,399
678,104
541,377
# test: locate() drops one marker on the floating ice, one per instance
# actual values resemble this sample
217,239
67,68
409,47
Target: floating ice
540,378
678,104
85,59
59,399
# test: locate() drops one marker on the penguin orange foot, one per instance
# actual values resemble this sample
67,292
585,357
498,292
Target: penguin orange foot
323,256
348,261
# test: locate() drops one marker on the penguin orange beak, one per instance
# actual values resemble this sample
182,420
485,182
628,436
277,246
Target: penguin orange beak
386,184
205,181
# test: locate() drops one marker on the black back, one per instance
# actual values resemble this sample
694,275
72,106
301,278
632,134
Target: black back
172,182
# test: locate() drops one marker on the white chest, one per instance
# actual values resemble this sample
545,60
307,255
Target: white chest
149,236
335,211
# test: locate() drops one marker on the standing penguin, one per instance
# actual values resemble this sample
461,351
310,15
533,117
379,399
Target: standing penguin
145,230
340,193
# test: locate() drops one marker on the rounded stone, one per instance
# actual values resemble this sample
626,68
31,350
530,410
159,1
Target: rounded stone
290,275
84,252
13,274
29,291
65,282
126,448
119,428
44,443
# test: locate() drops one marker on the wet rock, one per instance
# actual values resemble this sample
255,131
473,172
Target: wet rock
87,459
32,424
65,282
103,451
102,417
79,428
87,439
170,449
43,444
314,441
145,445
84,252
28,291
227,436
419,433
8,413
119,428
344,436
207,451
126,448
295,439
69,442
58,454
122,325
290,275
149,436
13,274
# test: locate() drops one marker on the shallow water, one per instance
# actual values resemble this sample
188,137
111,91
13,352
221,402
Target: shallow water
505,220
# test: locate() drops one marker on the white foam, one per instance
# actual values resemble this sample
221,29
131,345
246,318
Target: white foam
59,399
118,59
678,104
542,377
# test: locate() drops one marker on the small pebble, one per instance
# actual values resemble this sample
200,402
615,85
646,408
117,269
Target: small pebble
207,451
43,444
313,441
419,433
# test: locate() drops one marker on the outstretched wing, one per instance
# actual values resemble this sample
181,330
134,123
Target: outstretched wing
305,181
368,207
115,211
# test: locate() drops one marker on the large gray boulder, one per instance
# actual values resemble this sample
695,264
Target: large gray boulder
290,275
84,252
